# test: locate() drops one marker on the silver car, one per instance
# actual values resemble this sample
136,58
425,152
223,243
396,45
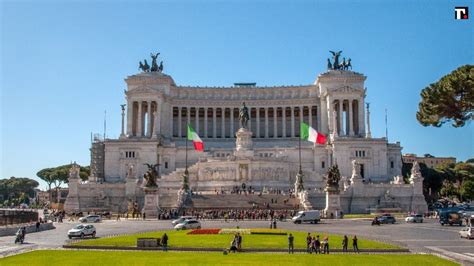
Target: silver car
418,218
90,219
181,219
188,224
82,230
466,232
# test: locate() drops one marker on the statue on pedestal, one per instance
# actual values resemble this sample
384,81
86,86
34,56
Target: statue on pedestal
74,171
151,175
244,116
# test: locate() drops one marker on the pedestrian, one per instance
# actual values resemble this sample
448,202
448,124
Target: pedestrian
317,245
274,224
326,245
271,224
144,216
290,243
239,241
309,240
344,244
38,226
164,242
354,244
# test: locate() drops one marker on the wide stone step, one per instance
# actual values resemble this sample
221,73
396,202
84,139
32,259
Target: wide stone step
241,201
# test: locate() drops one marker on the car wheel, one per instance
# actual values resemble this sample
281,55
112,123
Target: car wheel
93,234
82,235
393,222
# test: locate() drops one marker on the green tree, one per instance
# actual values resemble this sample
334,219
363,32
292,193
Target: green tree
14,187
47,176
449,99
467,190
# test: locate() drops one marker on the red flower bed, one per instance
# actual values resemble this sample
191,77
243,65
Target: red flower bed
204,232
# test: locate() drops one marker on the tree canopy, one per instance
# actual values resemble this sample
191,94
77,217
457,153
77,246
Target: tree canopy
451,99
16,187
59,175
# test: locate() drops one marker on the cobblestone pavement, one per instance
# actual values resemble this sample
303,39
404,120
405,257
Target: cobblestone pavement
428,237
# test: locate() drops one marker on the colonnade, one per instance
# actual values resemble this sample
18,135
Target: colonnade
346,116
223,122
142,119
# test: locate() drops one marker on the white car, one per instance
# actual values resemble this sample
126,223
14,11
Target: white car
418,218
466,232
90,219
181,219
188,224
81,231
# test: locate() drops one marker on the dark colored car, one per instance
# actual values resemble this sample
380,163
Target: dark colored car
387,219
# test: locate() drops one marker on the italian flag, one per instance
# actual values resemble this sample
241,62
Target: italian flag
310,134
194,137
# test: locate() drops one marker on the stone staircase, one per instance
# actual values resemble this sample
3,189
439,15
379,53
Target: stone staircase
241,201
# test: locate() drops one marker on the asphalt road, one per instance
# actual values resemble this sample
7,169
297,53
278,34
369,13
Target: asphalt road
427,237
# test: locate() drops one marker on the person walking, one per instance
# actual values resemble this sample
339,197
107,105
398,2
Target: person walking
344,243
274,223
164,242
239,241
309,240
290,243
354,244
326,245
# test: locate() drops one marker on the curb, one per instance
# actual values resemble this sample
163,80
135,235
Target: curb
222,249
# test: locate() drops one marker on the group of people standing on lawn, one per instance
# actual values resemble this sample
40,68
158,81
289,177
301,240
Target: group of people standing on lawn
316,245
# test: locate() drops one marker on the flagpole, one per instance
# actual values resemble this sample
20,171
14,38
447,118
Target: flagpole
299,149
186,160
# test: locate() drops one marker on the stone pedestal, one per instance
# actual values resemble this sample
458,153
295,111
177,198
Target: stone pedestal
333,203
151,207
244,144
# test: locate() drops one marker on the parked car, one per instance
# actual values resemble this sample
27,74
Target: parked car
417,218
467,232
81,231
313,216
386,219
188,224
90,219
181,219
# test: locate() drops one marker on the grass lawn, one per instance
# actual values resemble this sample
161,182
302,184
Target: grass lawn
74,257
182,239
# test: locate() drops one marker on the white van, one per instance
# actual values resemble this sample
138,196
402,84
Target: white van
307,216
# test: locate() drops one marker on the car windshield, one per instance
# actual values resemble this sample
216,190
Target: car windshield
79,226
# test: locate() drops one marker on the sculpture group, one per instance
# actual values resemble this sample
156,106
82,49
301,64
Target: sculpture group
335,65
154,65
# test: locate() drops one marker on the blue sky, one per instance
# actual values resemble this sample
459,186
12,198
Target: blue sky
63,64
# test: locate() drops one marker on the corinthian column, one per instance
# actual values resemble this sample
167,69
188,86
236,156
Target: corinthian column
232,122
266,122
214,121
292,111
275,127
341,131
149,124
205,122
283,119
180,124
369,134
257,121
122,133
351,118
223,123
139,120
130,106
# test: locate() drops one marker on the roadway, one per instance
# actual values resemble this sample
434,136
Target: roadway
427,237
